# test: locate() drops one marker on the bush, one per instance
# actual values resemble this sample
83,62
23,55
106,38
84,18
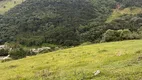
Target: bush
3,52
111,35
18,53
135,35
126,34
140,32
117,35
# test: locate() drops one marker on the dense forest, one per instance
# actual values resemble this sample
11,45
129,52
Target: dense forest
69,22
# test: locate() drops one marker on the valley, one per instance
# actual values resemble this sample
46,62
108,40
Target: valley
70,39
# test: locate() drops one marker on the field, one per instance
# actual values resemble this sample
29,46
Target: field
116,61
6,5
117,13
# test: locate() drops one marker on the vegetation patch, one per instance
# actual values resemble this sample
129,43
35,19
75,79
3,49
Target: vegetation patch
6,5
117,13
138,52
102,51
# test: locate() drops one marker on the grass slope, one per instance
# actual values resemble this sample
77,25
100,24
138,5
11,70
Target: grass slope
6,5
115,60
117,13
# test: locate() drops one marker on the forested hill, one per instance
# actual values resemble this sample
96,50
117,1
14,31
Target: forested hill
64,22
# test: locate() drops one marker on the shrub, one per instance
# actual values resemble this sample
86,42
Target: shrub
111,35
135,35
3,52
140,32
126,34
117,35
18,53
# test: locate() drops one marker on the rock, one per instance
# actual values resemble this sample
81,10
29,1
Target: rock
38,50
7,58
2,46
97,72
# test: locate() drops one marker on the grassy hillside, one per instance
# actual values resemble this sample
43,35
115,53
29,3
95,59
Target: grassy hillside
117,13
115,60
6,5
